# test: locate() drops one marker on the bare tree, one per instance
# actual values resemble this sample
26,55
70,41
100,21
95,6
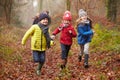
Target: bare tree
7,6
112,10
89,6
68,4
84,4
40,5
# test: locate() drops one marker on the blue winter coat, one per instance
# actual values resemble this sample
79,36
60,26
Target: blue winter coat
84,33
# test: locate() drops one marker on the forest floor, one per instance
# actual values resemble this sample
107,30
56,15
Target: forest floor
103,66
20,66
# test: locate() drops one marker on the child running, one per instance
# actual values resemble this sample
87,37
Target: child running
40,40
84,35
67,33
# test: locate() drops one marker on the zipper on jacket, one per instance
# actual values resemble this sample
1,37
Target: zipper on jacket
41,40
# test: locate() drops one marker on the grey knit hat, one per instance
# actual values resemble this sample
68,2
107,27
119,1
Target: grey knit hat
82,13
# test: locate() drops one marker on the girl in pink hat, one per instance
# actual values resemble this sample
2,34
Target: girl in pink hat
67,33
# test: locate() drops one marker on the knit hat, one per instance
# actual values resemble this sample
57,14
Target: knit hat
43,16
82,13
67,16
67,12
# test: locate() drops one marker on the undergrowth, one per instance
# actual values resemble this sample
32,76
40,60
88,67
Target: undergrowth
105,40
9,38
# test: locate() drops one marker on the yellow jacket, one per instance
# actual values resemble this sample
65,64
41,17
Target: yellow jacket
38,40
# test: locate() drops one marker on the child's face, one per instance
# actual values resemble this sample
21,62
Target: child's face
66,22
84,18
44,21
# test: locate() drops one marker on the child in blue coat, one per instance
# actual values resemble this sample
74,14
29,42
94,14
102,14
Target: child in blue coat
84,35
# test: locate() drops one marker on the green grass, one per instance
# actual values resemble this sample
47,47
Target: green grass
5,52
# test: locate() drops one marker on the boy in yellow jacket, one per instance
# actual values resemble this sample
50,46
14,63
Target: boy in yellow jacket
40,40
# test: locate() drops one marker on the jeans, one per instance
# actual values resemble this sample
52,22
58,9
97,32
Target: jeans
39,56
65,50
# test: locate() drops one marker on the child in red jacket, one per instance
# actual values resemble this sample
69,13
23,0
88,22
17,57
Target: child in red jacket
67,33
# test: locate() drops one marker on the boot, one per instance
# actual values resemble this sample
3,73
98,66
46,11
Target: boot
86,61
62,66
80,58
38,71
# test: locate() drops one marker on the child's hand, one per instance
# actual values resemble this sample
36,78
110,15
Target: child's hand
53,37
93,31
70,31
23,46
60,28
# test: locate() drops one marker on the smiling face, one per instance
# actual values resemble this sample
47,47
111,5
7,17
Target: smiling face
84,18
44,21
66,23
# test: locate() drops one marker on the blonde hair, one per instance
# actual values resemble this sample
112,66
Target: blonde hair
78,21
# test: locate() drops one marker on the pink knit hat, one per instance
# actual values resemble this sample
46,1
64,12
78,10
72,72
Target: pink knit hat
67,16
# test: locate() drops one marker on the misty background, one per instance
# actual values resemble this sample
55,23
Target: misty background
21,12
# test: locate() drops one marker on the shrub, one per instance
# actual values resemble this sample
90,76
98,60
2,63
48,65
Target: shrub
105,40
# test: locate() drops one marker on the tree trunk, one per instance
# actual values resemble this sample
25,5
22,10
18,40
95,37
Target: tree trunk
68,4
112,10
7,5
8,9
40,5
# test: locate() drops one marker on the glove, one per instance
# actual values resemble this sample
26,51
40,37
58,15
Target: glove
51,42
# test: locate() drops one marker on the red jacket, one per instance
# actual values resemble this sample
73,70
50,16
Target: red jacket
66,36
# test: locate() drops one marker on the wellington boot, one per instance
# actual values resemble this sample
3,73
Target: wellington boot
80,58
38,72
86,61
62,66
